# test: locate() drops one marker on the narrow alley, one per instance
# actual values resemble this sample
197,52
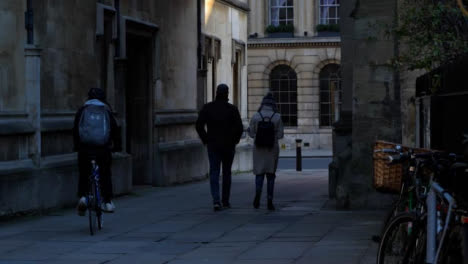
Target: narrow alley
177,225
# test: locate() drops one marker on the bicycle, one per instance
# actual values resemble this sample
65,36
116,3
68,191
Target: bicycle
413,183
453,216
94,199
419,237
403,238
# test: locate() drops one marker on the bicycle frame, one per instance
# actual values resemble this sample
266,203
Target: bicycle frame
94,203
95,178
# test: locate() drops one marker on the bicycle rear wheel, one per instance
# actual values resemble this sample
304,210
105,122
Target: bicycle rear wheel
403,241
92,209
455,249
98,208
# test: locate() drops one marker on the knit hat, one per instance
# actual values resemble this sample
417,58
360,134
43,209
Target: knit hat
269,100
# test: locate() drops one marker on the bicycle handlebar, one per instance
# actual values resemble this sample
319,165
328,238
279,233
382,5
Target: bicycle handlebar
386,151
404,156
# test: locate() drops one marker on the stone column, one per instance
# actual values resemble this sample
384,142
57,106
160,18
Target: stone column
33,96
342,130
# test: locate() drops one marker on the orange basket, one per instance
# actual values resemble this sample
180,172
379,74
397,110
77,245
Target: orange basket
388,177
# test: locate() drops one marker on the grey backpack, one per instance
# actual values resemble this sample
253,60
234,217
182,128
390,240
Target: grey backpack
94,126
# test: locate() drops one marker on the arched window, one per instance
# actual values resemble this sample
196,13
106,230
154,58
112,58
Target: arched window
330,94
283,86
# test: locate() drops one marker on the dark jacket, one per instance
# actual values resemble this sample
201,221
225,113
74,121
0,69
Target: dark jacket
223,122
115,140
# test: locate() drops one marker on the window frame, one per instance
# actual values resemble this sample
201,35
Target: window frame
270,7
328,19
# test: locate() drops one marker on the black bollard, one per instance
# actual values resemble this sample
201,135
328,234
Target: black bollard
298,154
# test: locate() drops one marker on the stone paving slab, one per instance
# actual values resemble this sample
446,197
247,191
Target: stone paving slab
306,152
176,225
277,250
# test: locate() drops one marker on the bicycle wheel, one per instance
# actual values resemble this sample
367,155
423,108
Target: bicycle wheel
403,241
399,206
98,208
455,249
92,209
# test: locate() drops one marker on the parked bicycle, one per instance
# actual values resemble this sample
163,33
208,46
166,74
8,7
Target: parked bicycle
436,231
414,183
94,200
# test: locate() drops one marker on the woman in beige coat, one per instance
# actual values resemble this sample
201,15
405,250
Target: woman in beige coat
265,159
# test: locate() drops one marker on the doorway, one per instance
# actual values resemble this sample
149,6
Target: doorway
138,106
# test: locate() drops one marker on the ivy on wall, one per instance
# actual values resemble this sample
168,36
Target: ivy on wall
433,33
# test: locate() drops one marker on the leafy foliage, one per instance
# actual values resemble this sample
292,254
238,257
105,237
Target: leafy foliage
279,28
328,27
433,33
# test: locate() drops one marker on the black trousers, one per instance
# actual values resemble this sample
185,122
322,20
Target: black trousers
218,158
103,159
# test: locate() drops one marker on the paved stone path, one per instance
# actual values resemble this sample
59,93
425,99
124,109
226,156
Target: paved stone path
176,225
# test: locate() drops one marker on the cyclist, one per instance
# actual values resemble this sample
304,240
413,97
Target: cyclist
95,135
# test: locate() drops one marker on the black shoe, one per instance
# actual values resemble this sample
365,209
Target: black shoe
217,207
256,202
227,205
271,207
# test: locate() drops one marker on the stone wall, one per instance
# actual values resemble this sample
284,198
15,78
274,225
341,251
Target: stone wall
11,58
43,84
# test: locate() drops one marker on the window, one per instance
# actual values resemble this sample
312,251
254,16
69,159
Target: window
283,86
281,12
330,94
329,11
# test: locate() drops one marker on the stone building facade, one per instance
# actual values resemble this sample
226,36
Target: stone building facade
300,67
148,57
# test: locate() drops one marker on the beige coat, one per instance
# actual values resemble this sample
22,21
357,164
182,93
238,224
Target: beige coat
266,160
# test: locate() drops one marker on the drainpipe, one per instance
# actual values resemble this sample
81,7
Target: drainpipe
29,22
199,48
117,43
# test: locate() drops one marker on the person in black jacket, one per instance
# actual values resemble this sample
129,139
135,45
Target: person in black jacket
101,154
224,131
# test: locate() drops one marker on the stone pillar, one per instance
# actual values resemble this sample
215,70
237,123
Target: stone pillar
263,16
342,130
371,92
33,96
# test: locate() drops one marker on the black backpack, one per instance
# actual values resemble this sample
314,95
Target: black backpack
265,137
